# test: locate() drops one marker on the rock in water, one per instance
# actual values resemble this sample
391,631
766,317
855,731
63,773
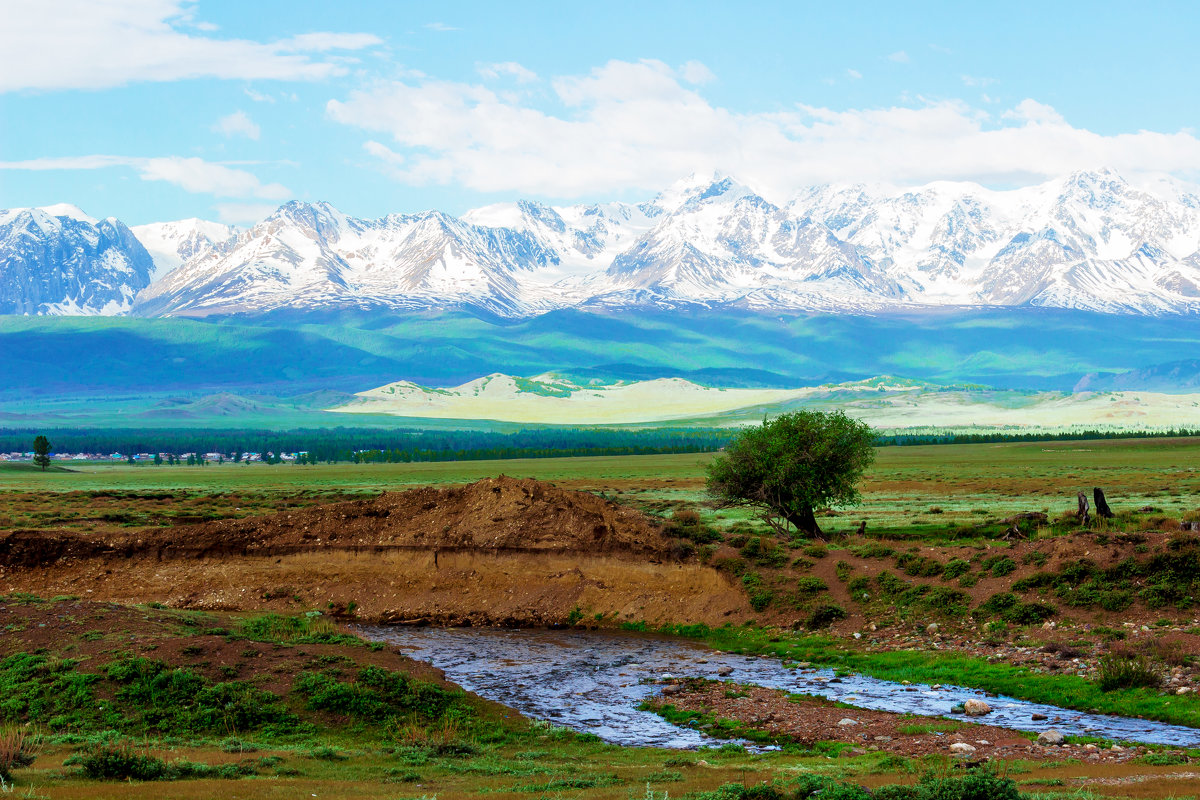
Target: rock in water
976,708
1051,737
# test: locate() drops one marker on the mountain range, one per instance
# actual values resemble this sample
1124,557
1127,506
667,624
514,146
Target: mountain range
1089,241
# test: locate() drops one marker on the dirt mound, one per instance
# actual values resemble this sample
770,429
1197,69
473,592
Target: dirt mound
494,514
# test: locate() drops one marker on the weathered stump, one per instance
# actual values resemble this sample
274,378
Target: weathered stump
1084,512
1102,509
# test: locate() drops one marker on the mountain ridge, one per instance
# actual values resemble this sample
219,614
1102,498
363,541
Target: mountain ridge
1088,241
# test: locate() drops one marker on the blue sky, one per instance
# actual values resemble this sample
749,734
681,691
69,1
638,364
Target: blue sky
156,109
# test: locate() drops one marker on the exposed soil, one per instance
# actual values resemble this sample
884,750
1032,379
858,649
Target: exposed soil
493,514
808,720
500,551
98,633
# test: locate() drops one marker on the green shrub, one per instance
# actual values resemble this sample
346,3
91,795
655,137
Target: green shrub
810,585
999,566
823,616
1008,607
955,568
1126,672
919,566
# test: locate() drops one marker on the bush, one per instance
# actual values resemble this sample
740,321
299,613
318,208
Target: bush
823,616
120,761
1008,607
810,585
17,749
956,567
1116,671
999,566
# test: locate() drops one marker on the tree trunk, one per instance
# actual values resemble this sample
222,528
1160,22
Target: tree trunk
1102,509
806,522
1084,515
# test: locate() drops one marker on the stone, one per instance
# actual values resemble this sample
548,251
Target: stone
1050,737
846,722
976,708
962,748
932,627
672,689
723,671
1037,717
1183,690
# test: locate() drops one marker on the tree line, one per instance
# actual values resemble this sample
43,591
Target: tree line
372,445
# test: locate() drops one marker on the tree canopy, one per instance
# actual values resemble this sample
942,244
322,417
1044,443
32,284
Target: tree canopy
794,464
41,452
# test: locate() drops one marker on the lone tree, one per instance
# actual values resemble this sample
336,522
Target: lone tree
793,464
41,452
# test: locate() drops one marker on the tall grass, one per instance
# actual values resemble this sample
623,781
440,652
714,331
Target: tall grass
18,748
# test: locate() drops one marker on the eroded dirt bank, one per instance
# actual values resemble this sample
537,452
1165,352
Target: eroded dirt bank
499,551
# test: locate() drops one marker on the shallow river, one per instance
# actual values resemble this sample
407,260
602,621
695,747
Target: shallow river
590,681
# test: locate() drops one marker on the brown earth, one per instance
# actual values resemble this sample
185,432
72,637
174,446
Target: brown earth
97,633
499,551
807,720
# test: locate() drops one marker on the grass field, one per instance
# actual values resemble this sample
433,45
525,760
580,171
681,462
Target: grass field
917,498
899,491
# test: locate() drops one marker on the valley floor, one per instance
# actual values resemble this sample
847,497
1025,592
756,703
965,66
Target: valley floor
177,579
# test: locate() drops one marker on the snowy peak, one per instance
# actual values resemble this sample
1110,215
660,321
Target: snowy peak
1089,240
170,244
59,260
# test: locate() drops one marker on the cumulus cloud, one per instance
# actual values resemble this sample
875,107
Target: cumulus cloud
238,124
900,57
440,26
853,74
190,174
642,125
509,69
84,44
243,213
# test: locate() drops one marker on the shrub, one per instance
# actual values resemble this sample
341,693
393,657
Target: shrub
999,566
919,566
823,616
956,567
121,761
18,748
843,570
1008,607
810,585
1117,671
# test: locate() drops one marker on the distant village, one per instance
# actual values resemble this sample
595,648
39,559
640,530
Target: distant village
190,459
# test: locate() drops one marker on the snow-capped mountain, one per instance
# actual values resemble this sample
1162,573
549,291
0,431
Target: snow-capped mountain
1090,240
170,244
312,255
58,260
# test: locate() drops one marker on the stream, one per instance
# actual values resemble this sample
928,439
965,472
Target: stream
591,682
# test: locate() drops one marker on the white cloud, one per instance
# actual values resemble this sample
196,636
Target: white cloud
190,174
243,213
853,74
85,44
238,124
440,26
696,73
900,57
975,81
383,153
636,126
259,97
509,69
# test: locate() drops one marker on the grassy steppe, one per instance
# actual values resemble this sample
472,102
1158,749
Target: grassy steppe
930,498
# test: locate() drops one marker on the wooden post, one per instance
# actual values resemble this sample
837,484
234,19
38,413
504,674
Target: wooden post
1084,510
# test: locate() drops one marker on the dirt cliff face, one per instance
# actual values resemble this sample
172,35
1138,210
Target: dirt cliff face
499,551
